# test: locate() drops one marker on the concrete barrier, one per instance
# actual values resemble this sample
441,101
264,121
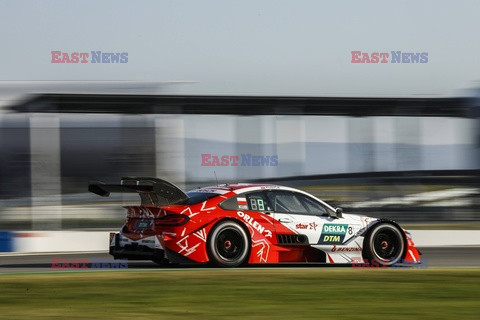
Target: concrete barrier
75,241
60,241
441,238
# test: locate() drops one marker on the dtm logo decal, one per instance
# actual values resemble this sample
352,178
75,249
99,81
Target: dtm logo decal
333,233
254,224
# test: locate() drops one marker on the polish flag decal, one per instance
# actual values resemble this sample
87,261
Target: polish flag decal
242,203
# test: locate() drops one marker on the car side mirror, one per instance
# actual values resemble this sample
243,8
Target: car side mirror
339,212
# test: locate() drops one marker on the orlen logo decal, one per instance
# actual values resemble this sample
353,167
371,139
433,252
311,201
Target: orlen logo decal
395,57
333,233
254,224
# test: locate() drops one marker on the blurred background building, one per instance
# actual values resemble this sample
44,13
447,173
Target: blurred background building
413,159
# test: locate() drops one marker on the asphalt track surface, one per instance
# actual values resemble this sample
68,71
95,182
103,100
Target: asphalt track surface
443,257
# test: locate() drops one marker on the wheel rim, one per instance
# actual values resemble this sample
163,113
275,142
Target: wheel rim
229,244
387,245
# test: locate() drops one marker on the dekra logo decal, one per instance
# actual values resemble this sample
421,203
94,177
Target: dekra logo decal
333,233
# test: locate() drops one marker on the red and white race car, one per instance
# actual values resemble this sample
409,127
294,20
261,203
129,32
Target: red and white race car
237,224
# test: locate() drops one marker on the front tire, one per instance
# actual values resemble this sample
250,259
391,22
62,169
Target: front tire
228,245
384,244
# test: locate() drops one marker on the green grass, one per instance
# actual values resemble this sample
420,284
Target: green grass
244,293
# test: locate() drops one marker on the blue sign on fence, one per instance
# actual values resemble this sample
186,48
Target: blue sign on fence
5,241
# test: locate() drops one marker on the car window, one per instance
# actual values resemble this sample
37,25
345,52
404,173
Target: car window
293,202
254,202
312,206
286,202
231,204
197,197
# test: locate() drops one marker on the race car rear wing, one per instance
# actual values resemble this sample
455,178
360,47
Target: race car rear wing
152,191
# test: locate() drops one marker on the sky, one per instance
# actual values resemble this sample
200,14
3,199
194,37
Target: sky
248,47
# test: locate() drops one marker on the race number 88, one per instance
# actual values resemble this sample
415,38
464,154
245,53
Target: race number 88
257,204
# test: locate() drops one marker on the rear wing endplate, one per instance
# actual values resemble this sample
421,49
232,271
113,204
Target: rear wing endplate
152,191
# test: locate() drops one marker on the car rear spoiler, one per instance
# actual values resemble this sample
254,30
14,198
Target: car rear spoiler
152,191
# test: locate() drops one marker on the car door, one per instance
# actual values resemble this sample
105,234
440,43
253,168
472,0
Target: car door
299,213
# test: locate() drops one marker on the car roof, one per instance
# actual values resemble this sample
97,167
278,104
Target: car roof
239,187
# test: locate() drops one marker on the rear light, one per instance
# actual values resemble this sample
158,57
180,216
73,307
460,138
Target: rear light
172,220
167,237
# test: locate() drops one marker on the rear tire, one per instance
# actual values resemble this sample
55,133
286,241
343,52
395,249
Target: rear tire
384,245
228,245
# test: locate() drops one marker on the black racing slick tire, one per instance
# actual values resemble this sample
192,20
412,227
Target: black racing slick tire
384,244
228,245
